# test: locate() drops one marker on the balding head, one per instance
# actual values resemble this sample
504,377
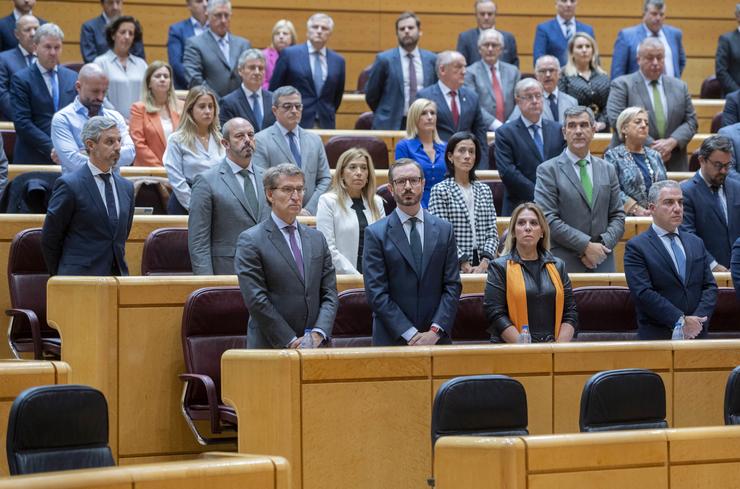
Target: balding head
92,85
25,29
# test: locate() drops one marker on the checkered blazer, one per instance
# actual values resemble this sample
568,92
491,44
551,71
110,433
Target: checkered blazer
447,202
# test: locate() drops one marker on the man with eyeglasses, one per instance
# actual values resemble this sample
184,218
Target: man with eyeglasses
547,72
285,141
710,200
285,271
410,267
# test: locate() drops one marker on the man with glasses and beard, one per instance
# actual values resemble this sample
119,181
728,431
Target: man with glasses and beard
411,271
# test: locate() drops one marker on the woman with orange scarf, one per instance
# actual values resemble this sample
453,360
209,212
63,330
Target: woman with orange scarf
527,285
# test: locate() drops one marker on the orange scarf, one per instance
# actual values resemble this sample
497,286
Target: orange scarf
516,295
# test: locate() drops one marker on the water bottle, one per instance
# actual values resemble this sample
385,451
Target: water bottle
307,341
678,330
524,336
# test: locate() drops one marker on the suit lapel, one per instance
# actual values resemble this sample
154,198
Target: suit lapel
123,203
431,235
599,175
307,252
525,136
246,108
279,140
41,85
92,187
308,72
397,68
157,123
641,90
709,197
427,69
229,179
278,241
570,173
216,48
443,111
398,236
657,244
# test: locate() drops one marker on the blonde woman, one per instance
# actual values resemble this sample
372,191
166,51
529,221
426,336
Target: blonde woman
283,35
194,147
347,208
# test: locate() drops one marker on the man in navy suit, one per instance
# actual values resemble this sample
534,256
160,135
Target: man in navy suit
180,32
8,37
735,267
712,202
522,144
485,16
36,93
731,112
668,272
91,210
411,272
393,85
14,60
316,71
624,57
92,34
457,106
250,101
552,36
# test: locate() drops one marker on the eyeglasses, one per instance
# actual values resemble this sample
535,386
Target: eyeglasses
546,71
286,106
289,191
530,98
401,182
719,166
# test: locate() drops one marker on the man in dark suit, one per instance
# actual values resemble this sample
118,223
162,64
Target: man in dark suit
226,200
712,202
411,272
727,58
735,267
285,271
210,59
92,33
668,272
485,17
457,106
552,36
91,210
8,37
731,112
316,71
180,32
250,101
392,85
36,93
556,102
625,54
522,144
14,60
732,132
671,113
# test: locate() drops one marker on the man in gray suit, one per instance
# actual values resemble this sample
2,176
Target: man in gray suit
579,195
492,79
285,141
671,114
285,271
211,57
226,200
547,72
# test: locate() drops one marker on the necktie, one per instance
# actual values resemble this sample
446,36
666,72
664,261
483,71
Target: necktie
659,111
718,202
249,191
498,94
224,49
54,88
586,181
415,242
29,59
453,108
413,83
538,141
318,73
679,255
110,200
553,106
568,29
257,110
294,149
297,255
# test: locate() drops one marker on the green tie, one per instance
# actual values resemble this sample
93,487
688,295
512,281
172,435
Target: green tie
658,106
586,180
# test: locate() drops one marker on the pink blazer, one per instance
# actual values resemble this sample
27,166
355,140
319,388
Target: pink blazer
148,135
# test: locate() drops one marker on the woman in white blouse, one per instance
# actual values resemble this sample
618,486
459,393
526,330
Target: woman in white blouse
194,147
347,208
125,71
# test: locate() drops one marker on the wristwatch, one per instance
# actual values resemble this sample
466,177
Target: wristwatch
439,331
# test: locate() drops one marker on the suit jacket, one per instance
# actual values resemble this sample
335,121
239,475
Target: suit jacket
703,216
517,158
218,214
148,135
236,104
77,237
33,110
272,149
11,61
178,33
471,116
294,68
624,57
630,91
733,132
205,63
731,112
467,45
93,42
400,295
573,222
549,39
384,88
7,32
478,79
281,304
660,296
564,102
727,61
735,267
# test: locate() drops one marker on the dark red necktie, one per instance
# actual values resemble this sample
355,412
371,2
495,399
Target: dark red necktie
453,107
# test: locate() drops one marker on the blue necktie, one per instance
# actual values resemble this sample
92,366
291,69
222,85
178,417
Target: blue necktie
718,203
538,140
553,107
29,59
318,73
54,88
294,149
110,200
257,110
415,242
679,255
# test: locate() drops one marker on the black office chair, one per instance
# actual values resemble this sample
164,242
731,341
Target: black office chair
627,399
732,398
58,427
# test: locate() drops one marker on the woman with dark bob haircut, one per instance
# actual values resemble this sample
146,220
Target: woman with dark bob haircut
467,204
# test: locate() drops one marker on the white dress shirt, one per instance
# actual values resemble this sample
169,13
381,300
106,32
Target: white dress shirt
563,28
101,186
322,58
236,169
198,29
666,240
489,73
574,159
661,91
528,124
418,68
248,93
47,78
448,98
285,132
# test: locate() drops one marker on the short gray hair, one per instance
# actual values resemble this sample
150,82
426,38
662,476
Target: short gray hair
22,19
547,57
626,117
491,33
446,57
249,55
526,84
320,16
655,189
650,43
272,174
95,126
578,110
284,91
713,143
659,4
214,4
403,162
48,30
